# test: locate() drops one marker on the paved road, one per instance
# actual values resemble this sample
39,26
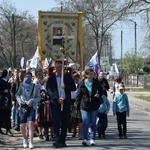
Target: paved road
138,133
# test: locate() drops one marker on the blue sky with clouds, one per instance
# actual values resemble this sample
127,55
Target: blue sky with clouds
33,6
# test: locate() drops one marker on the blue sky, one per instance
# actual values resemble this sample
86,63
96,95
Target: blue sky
128,37
33,6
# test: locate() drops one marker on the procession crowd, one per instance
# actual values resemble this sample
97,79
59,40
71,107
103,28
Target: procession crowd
49,105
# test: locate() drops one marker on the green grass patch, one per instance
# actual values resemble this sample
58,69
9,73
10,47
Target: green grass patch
142,90
145,98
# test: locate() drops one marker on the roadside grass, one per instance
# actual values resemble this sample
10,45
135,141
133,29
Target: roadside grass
142,90
145,98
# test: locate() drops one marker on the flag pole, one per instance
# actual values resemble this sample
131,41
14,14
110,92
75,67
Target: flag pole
62,95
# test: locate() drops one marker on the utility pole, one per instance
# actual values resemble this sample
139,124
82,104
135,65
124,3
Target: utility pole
61,7
110,48
135,41
135,37
121,47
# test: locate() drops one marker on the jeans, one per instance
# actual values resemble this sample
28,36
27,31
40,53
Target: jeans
15,115
89,120
24,118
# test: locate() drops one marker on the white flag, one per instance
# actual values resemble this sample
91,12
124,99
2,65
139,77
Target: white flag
93,60
116,69
28,62
34,61
22,62
45,63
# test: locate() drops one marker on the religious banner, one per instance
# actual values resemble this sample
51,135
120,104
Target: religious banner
57,29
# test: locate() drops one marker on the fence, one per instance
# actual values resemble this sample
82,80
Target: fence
140,80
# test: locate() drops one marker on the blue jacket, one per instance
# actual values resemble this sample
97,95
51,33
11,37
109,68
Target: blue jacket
105,106
121,103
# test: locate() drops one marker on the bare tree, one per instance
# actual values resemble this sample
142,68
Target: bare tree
138,6
99,16
17,33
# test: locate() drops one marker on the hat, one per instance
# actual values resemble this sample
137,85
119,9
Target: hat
121,87
5,73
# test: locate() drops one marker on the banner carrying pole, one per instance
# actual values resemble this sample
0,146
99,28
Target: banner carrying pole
80,36
40,56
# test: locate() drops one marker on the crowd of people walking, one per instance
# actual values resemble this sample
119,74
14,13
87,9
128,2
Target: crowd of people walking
50,105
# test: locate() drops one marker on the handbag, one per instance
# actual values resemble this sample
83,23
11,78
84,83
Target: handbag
25,108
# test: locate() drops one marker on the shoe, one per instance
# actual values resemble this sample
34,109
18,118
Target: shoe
92,142
25,143
31,145
56,145
52,139
125,136
80,138
13,125
62,145
104,137
120,137
99,136
17,128
41,136
85,142
1,132
69,130
47,138
73,135
35,134
8,132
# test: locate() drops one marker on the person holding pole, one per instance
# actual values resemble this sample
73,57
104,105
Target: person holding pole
60,102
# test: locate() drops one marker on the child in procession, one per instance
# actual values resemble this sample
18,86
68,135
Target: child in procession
121,110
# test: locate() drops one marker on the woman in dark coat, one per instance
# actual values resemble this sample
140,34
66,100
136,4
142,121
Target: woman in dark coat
5,102
88,102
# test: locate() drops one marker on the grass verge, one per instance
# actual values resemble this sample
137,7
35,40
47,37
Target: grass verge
145,98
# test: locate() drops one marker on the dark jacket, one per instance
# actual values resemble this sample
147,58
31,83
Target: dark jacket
84,100
5,86
52,89
14,87
5,105
105,85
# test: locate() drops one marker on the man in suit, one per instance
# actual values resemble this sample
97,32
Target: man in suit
60,116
